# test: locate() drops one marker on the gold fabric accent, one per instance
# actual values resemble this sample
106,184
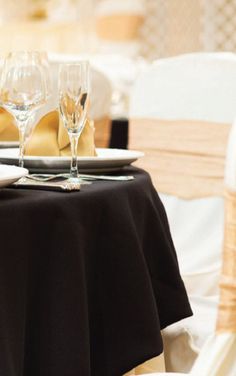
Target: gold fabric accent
38,14
118,27
184,158
50,138
8,129
102,132
226,321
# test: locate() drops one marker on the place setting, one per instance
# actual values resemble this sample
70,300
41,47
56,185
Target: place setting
118,188
55,146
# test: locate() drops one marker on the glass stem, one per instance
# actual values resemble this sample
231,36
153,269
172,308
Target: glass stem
22,129
73,145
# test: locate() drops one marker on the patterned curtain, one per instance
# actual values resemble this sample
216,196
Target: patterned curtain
174,27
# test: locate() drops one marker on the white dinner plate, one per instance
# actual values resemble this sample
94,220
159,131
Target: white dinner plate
106,160
9,144
10,174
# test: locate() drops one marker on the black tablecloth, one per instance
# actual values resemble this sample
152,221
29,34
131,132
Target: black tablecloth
87,279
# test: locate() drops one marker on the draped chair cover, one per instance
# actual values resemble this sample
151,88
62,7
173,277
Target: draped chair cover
118,24
217,356
181,113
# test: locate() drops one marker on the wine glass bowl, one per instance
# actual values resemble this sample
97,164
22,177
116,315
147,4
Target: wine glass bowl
73,111
23,89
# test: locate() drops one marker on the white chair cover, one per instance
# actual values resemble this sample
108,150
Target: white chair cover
118,24
198,87
218,356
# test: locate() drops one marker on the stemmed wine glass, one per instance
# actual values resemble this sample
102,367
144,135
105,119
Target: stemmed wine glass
23,89
74,87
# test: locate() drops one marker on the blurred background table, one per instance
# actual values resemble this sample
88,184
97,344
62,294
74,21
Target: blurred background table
60,36
87,279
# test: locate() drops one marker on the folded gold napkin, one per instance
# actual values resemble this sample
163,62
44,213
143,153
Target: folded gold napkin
8,129
49,137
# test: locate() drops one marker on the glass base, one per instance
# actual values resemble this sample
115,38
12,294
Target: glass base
78,180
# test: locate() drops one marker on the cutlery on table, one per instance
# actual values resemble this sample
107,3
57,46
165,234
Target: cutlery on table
48,177
64,185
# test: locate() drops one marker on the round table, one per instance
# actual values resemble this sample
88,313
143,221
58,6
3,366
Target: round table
87,279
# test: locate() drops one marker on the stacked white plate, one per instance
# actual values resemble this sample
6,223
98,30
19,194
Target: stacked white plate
10,174
105,161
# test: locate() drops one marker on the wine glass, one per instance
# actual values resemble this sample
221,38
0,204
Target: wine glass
43,59
74,88
23,89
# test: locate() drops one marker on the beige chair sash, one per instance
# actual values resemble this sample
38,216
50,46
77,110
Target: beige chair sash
102,132
118,27
184,158
227,309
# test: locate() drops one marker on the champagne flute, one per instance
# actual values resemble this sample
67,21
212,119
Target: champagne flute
74,87
23,89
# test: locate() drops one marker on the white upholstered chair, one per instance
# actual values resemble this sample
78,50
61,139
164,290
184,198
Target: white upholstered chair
118,24
181,112
217,357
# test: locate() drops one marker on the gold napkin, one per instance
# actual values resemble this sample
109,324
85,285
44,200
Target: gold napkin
49,137
8,129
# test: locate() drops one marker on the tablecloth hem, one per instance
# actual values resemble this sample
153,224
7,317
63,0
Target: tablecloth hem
177,318
138,362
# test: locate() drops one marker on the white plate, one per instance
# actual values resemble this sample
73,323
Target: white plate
106,160
9,144
10,174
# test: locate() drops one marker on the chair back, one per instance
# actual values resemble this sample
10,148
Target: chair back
118,24
187,105
181,111
227,308
217,357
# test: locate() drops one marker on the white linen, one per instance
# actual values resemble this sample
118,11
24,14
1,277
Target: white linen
200,86
183,340
191,87
197,231
110,7
128,49
217,357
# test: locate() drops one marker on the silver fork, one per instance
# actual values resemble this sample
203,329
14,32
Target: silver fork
48,177
55,186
